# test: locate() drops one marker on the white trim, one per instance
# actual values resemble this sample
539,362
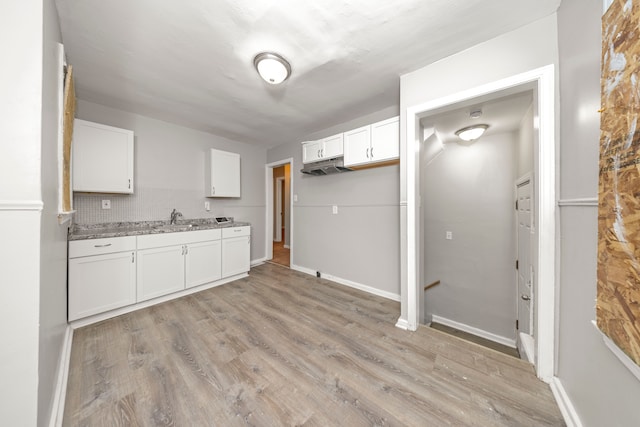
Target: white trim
349,283
21,205
402,324
528,345
544,187
62,376
144,304
605,5
279,195
587,201
509,342
567,409
624,359
269,206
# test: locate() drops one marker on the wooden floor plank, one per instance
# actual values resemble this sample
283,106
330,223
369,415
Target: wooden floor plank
284,348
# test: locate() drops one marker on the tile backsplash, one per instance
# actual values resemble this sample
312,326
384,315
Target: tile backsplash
146,204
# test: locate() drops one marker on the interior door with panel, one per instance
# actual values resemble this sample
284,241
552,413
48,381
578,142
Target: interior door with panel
524,272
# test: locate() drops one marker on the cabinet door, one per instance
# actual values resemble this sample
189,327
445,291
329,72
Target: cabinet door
102,158
160,271
332,146
101,283
223,174
311,151
203,263
235,255
357,145
385,140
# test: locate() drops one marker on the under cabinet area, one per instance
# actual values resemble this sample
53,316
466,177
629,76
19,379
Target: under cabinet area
102,275
102,158
222,174
113,273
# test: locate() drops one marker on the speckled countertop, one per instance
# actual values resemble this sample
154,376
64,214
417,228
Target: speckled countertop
119,229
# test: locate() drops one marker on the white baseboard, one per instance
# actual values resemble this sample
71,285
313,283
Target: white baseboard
509,342
567,409
402,324
60,392
75,324
258,261
528,347
349,283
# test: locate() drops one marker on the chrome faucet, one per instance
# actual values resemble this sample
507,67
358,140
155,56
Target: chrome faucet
174,216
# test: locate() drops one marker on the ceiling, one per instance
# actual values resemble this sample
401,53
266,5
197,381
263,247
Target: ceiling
502,111
190,62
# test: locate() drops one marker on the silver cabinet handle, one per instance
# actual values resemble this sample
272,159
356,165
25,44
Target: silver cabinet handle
525,297
182,250
133,259
371,152
129,183
186,250
367,153
213,190
102,246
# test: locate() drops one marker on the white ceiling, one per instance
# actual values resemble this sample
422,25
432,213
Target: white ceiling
502,111
190,62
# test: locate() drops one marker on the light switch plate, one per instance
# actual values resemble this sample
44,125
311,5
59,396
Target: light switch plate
449,235
106,204
207,206
335,210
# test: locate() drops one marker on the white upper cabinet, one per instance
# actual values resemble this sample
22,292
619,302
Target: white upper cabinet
374,143
222,174
102,158
326,148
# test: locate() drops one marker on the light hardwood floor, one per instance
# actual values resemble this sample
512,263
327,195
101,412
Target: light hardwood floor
284,348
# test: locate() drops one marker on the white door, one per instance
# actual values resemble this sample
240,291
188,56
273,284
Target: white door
357,144
203,263
385,140
524,269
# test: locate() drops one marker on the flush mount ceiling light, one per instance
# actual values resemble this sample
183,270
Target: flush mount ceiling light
273,68
471,133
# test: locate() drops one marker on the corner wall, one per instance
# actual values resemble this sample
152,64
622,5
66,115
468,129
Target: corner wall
603,392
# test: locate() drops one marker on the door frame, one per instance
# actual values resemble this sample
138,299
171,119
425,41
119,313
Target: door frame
545,148
279,184
270,208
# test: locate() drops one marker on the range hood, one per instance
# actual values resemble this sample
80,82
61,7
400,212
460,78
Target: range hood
325,167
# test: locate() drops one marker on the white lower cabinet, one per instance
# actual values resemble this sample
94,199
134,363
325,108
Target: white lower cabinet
203,263
160,271
236,250
99,278
105,274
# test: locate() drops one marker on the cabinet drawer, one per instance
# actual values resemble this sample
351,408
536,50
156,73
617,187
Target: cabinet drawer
235,232
80,248
177,238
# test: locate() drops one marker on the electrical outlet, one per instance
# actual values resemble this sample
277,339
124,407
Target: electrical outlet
335,210
317,274
207,206
449,235
106,204
295,197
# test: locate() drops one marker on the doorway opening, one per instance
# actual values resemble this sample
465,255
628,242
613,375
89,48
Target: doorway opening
468,217
279,212
541,82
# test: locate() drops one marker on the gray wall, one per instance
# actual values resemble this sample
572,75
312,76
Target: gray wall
53,240
469,190
361,242
602,390
169,173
